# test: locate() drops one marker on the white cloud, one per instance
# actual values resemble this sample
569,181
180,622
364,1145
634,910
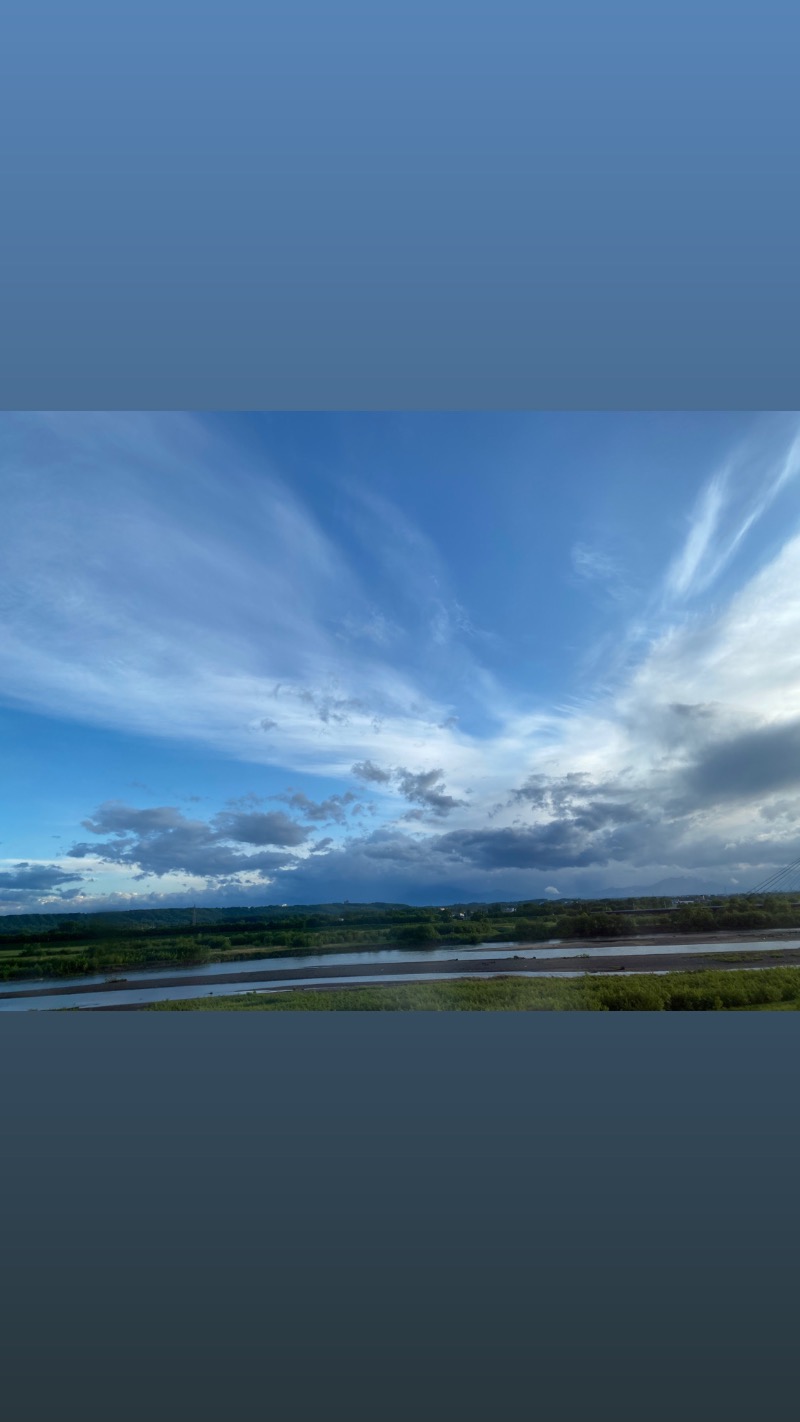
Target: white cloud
143,591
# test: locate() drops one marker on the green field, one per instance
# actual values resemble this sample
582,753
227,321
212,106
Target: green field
704,991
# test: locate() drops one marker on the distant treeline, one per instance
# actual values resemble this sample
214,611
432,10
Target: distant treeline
697,913
173,919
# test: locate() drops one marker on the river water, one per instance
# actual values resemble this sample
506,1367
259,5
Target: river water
507,954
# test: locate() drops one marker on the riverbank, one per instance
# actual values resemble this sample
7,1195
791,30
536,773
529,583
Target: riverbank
519,963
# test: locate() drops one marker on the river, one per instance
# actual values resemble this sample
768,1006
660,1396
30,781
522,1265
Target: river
16,999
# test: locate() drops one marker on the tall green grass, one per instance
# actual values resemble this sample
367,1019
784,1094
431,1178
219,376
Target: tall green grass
704,991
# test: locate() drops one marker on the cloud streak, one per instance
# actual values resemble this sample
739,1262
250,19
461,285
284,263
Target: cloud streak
686,572
730,505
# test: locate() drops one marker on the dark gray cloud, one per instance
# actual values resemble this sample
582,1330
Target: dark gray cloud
322,845
114,817
272,827
597,814
27,878
162,840
513,862
743,767
369,771
597,823
518,861
397,866
420,787
589,825
332,810
337,709
545,791
788,810
671,821
554,845
390,846
692,710
180,851
679,728
326,705
426,787
588,805
587,830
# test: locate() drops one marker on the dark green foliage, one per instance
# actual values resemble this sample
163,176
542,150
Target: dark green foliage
416,933
600,924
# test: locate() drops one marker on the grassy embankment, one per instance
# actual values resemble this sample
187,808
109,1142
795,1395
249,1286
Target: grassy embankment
704,991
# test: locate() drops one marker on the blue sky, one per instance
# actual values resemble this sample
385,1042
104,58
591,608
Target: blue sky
294,658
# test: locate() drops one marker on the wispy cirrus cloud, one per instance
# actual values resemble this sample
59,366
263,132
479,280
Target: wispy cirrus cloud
155,582
596,565
690,570
731,503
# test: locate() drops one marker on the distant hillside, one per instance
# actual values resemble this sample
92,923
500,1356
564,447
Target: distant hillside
673,888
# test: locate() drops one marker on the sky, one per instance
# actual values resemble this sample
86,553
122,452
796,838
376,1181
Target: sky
422,658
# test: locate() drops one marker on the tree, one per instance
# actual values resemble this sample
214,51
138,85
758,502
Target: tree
423,932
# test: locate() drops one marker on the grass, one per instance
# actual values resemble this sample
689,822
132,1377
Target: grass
736,956
704,991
